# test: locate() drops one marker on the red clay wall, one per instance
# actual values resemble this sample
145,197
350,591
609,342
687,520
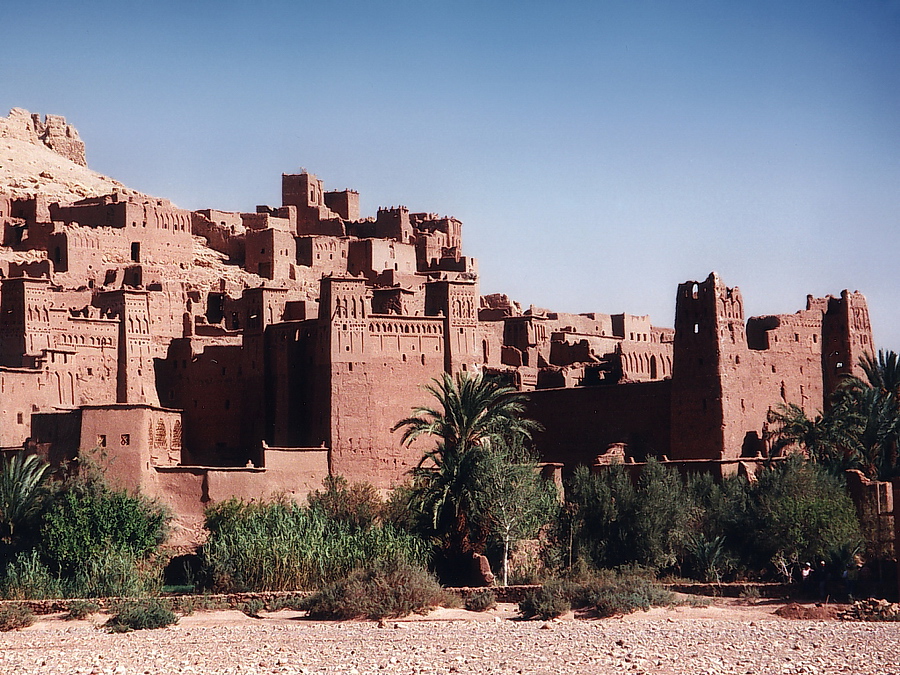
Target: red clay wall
580,423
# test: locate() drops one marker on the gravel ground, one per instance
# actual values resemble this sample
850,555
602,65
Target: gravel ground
687,640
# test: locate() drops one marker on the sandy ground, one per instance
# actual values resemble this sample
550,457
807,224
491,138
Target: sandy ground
722,638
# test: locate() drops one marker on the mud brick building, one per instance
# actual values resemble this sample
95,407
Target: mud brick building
207,354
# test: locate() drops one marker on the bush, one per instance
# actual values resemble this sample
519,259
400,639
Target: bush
282,545
88,522
253,607
117,574
14,617
615,522
27,578
549,601
294,602
141,615
623,592
794,511
81,609
606,593
802,512
385,590
357,506
481,601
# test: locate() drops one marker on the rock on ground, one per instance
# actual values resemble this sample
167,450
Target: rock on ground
662,641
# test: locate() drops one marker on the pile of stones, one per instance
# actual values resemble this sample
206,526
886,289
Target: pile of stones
872,610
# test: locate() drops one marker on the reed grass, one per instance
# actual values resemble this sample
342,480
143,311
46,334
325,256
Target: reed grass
281,545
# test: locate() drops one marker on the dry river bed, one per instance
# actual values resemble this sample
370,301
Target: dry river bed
721,638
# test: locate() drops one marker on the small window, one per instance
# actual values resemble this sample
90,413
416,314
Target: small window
101,440
696,328
126,439
20,418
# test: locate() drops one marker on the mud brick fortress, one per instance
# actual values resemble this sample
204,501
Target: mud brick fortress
207,354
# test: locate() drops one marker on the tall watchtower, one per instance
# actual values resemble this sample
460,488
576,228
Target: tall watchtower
846,336
710,336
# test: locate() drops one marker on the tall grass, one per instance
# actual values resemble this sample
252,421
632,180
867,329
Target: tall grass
282,545
117,573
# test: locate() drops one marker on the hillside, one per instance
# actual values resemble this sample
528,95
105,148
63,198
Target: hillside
27,169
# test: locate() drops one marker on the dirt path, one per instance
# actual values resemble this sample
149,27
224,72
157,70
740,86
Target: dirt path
722,638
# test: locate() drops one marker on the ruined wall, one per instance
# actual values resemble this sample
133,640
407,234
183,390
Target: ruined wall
52,131
345,203
223,230
581,423
874,502
327,255
726,377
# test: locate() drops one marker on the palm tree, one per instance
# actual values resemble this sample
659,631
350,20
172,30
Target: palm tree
472,413
861,428
22,491
882,373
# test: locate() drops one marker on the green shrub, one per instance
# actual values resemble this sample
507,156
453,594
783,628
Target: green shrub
802,512
605,593
294,602
384,590
282,545
549,601
623,592
188,604
14,617
81,609
481,601
26,577
253,607
140,615
88,522
795,510
615,522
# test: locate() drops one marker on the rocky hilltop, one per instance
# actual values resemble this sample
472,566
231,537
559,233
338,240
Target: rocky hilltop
46,157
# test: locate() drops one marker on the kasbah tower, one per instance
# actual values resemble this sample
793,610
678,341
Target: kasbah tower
212,354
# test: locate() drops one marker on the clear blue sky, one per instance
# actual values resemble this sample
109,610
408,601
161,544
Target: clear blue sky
599,153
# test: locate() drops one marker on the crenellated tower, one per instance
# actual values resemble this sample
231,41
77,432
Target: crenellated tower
846,336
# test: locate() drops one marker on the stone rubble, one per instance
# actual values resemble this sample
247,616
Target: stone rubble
872,610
